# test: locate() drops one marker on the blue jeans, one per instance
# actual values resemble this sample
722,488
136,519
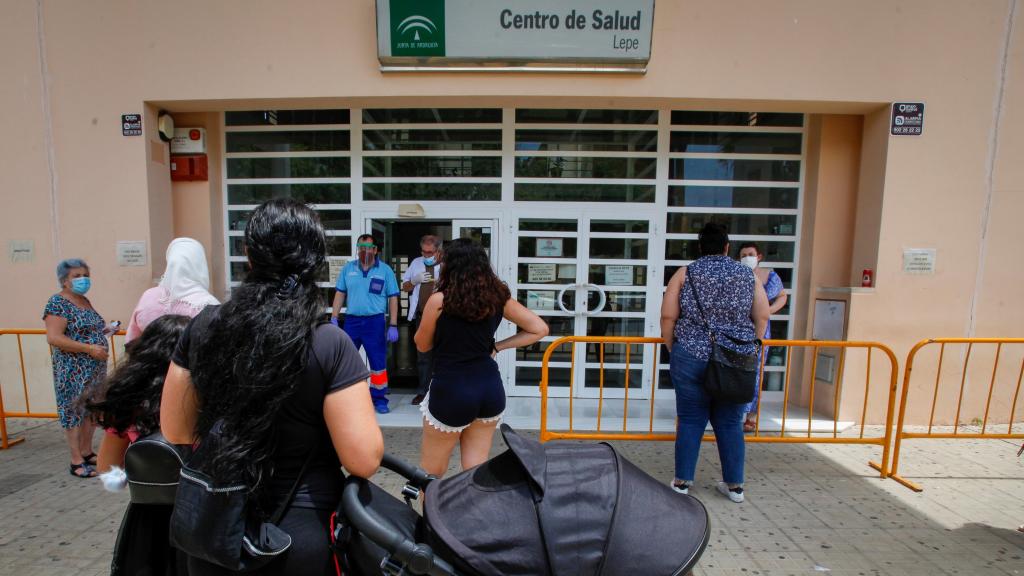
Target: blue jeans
694,408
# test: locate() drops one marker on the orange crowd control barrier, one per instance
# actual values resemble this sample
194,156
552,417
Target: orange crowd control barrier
5,440
901,434
781,436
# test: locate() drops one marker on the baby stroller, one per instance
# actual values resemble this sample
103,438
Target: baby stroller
556,509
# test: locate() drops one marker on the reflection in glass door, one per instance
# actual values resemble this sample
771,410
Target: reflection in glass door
479,231
587,275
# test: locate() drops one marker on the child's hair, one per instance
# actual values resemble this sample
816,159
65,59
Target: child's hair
131,395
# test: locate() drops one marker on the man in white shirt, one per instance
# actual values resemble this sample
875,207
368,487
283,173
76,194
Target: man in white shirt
419,280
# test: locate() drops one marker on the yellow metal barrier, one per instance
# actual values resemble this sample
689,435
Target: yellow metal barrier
884,440
5,440
902,434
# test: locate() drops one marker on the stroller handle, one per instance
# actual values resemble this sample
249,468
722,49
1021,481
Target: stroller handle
418,477
417,558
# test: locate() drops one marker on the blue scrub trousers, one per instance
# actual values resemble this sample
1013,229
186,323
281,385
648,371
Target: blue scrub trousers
370,332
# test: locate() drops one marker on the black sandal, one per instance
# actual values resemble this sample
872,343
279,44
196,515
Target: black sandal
90,458
83,470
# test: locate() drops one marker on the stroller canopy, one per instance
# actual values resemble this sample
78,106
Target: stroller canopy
563,509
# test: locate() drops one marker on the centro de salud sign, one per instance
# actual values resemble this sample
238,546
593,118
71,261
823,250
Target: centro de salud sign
515,35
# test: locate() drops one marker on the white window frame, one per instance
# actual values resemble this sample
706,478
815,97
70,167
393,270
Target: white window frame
506,211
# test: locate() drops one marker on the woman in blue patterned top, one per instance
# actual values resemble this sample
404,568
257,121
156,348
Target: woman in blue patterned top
751,256
736,306
76,332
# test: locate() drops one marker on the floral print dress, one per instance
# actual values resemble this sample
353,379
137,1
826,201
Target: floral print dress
73,371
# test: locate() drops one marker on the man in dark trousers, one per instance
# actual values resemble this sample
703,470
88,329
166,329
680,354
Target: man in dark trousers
419,281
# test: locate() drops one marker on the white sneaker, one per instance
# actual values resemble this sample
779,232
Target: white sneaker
734,494
683,488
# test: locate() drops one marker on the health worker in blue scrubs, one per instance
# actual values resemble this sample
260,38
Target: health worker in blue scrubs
371,319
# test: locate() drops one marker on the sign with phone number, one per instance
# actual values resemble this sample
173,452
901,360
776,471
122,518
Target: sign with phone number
907,119
131,124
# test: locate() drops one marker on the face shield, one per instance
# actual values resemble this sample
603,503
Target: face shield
367,253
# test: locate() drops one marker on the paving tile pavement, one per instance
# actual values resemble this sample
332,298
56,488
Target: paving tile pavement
810,510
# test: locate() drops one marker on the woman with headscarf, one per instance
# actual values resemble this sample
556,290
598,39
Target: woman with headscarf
184,288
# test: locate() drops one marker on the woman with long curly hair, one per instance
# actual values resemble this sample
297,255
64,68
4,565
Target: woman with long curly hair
466,398
128,407
283,386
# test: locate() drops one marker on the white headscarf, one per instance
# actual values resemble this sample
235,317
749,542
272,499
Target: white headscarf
187,278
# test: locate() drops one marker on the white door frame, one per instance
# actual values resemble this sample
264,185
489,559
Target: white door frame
653,292
459,214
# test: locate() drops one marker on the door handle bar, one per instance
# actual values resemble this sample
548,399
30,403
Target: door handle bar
601,302
561,294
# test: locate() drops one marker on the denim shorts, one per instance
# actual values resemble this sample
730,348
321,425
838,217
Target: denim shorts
463,394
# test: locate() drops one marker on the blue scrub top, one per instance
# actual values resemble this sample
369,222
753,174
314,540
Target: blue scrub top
367,293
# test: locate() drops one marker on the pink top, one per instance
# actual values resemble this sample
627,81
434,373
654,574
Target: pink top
153,304
131,434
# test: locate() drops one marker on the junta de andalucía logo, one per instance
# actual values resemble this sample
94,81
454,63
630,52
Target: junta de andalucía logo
417,28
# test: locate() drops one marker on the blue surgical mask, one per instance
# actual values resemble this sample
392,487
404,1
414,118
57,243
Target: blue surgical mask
81,285
430,261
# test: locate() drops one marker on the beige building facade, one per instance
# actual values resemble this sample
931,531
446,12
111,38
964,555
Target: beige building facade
772,116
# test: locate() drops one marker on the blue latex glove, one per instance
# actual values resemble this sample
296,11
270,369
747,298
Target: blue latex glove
334,321
392,334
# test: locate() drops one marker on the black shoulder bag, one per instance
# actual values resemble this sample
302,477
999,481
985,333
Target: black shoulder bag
217,522
731,377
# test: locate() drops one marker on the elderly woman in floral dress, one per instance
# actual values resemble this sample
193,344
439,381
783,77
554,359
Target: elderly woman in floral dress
77,335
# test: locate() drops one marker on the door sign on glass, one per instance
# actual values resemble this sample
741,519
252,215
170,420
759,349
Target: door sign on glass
618,275
540,299
549,247
540,273
335,266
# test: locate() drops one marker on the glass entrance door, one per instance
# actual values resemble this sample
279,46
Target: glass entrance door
588,275
479,231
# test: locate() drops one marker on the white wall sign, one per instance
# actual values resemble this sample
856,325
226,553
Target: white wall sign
189,141
540,299
549,247
540,273
618,275
566,271
919,260
131,253
568,35
21,251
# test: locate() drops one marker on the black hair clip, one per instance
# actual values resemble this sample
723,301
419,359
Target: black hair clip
288,287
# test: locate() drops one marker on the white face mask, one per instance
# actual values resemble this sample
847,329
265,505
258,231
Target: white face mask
749,261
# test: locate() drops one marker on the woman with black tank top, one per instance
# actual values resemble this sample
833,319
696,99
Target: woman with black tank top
466,398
